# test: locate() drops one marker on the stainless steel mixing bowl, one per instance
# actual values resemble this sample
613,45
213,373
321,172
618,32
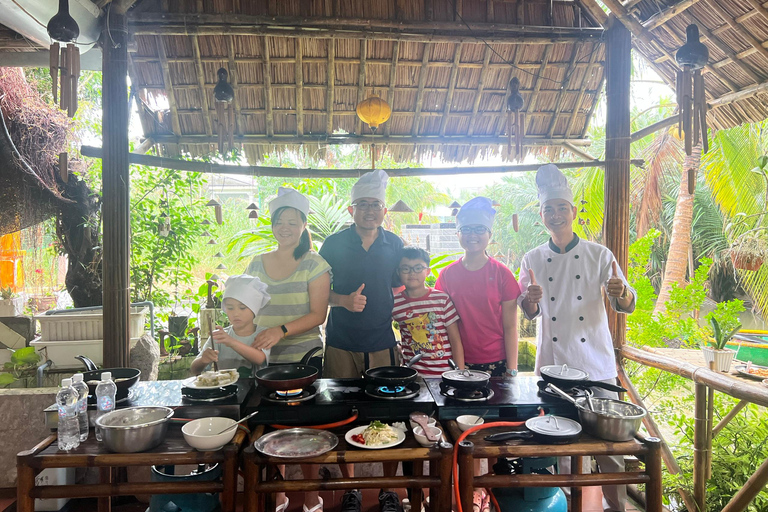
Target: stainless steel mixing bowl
135,429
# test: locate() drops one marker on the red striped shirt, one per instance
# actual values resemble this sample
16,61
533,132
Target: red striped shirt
423,323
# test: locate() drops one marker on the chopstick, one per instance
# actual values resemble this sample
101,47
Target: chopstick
213,345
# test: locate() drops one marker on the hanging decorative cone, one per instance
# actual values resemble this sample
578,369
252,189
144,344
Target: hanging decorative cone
206,234
212,242
252,206
373,111
213,202
454,204
253,214
218,255
221,266
495,204
205,222
219,214
400,207
515,222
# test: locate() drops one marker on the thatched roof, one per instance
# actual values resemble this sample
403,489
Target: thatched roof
446,87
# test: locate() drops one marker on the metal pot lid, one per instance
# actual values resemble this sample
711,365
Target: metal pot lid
563,372
555,426
466,375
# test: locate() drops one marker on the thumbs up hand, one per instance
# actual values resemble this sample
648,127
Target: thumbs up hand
615,285
535,293
356,300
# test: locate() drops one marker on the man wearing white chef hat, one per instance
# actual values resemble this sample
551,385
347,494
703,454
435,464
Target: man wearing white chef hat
563,282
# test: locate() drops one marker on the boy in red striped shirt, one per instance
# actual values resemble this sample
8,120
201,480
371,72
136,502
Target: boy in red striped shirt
426,317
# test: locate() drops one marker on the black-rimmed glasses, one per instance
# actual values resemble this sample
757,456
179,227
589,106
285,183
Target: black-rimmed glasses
478,230
364,205
405,269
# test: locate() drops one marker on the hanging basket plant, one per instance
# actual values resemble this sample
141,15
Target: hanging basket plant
748,251
746,261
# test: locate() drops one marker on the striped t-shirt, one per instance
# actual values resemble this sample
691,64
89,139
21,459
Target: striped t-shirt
422,324
289,301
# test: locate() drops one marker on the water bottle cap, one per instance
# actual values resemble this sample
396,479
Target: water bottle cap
105,376
78,377
65,383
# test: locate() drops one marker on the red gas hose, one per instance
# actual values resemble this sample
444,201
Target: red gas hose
463,436
321,427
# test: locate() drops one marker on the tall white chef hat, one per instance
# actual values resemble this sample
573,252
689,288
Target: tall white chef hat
249,290
478,210
552,184
371,184
290,198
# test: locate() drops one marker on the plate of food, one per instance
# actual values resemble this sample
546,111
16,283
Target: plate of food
296,443
375,436
752,371
212,380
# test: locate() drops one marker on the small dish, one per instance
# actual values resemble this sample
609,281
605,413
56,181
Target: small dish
468,421
203,434
430,422
418,434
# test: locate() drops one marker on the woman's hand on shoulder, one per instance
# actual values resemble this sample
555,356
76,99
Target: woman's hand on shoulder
268,338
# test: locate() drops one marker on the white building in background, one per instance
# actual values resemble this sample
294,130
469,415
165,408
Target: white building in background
436,239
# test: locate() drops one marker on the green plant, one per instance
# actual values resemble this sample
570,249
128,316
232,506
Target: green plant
724,319
22,365
7,293
719,336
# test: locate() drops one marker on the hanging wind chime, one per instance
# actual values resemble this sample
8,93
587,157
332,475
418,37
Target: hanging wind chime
217,209
373,111
691,97
62,28
223,95
253,211
515,117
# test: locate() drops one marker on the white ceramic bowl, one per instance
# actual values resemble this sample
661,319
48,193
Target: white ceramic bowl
467,421
200,434
430,421
418,433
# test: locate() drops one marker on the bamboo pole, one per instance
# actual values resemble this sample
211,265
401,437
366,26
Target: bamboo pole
739,29
451,87
700,448
667,14
577,493
531,107
392,81
199,71
330,80
710,420
420,93
755,484
145,146
361,82
466,474
653,490
234,82
579,152
728,417
582,91
655,127
53,56
564,89
480,89
116,193
267,70
747,92
298,72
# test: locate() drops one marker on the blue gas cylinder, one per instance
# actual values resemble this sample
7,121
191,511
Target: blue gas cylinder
532,499
201,502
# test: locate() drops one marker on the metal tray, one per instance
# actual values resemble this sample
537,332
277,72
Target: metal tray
296,443
742,370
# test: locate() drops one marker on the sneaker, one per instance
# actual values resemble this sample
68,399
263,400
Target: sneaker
389,501
352,501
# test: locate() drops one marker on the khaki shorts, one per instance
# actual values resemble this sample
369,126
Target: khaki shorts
344,364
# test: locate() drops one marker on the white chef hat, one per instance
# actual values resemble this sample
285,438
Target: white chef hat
249,290
478,210
290,198
371,184
552,184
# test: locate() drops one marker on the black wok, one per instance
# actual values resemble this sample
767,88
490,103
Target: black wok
568,377
542,429
393,375
465,379
124,379
284,377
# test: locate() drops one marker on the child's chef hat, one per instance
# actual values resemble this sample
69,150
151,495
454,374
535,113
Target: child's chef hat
249,290
478,210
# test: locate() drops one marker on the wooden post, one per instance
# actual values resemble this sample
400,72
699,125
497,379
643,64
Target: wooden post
577,493
617,142
700,447
116,193
710,421
653,490
466,474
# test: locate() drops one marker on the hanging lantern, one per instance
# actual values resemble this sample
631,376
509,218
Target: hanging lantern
63,28
252,206
400,207
164,225
253,214
373,111
691,96
224,95
515,117
217,208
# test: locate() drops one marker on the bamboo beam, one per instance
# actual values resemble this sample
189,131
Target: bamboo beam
700,447
361,81
252,170
744,496
653,128
747,92
596,11
537,85
563,90
267,70
145,146
582,92
595,101
739,29
168,86
479,90
116,191
451,87
420,93
710,421
667,14
728,417
392,81
330,80
299,80
617,156
201,85
579,152
234,81
629,4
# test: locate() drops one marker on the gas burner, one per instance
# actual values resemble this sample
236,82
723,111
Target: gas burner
207,400
466,395
291,396
393,392
574,392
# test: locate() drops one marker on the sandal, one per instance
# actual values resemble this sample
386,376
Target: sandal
283,507
316,508
477,501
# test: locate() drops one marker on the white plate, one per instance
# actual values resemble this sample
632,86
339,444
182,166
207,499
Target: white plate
191,383
359,430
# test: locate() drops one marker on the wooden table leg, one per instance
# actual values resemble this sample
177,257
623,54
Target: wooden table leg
24,484
653,490
229,478
577,494
442,495
700,447
105,477
466,483
417,493
269,498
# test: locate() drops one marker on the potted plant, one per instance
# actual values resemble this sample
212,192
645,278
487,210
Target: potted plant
9,303
748,251
717,351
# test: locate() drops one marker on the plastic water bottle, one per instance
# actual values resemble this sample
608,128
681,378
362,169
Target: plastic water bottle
68,429
82,404
105,398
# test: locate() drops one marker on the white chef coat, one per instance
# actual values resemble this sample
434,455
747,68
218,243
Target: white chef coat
574,325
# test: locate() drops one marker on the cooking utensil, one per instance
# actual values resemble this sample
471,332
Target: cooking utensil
393,375
237,423
135,429
284,377
612,420
422,419
590,405
213,345
124,379
544,429
296,443
568,377
465,379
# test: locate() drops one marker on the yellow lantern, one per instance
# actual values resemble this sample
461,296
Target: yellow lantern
374,111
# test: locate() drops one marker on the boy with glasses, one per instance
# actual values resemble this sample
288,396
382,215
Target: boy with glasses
426,317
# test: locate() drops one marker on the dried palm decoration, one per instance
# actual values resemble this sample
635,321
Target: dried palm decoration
223,95
515,117
62,28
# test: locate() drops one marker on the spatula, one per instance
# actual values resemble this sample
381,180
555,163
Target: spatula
422,420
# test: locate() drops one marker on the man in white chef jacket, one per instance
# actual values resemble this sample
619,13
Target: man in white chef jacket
563,282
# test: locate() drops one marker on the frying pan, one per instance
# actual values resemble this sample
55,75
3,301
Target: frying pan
124,378
393,375
567,377
283,377
542,429
465,379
